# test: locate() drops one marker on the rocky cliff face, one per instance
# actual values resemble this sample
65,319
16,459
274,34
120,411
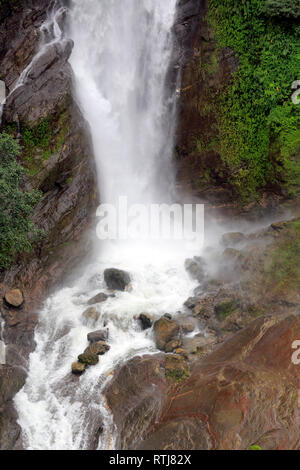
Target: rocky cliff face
57,153
58,158
204,72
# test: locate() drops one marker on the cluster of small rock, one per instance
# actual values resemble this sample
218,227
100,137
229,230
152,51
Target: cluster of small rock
115,279
96,348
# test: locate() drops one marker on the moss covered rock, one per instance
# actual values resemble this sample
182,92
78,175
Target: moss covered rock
176,368
88,358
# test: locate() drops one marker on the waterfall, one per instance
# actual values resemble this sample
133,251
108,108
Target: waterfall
120,60
121,57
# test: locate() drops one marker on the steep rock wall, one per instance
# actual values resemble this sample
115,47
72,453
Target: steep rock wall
58,159
57,154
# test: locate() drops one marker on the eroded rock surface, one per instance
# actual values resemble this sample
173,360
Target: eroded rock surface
243,393
60,164
58,159
12,380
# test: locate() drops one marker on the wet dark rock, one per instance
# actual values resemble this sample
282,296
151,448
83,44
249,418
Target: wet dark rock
195,268
91,314
165,330
88,358
135,395
145,320
12,380
101,297
116,279
190,302
78,368
99,335
99,348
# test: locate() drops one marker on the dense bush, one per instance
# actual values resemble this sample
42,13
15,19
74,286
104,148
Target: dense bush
17,230
260,126
288,8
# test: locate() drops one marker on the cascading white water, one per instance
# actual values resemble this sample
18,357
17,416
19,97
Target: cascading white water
121,56
120,60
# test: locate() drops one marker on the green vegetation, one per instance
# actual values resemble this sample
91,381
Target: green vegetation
176,368
288,8
259,125
17,231
43,141
177,375
224,309
255,447
284,271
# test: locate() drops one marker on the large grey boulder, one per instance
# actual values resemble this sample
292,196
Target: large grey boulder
99,335
116,279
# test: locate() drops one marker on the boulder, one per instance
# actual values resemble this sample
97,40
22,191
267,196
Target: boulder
116,279
14,298
145,320
164,331
98,348
172,345
190,302
88,358
91,314
96,336
195,267
233,238
101,297
135,395
78,368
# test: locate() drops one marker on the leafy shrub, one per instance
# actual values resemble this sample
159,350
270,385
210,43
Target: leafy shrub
287,8
17,231
259,124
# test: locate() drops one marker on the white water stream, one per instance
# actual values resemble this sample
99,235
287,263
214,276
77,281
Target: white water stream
121,57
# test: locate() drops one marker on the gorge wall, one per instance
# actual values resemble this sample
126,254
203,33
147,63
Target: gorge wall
58,158
238,129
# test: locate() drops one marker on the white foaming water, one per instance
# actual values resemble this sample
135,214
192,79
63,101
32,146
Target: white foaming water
121,57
